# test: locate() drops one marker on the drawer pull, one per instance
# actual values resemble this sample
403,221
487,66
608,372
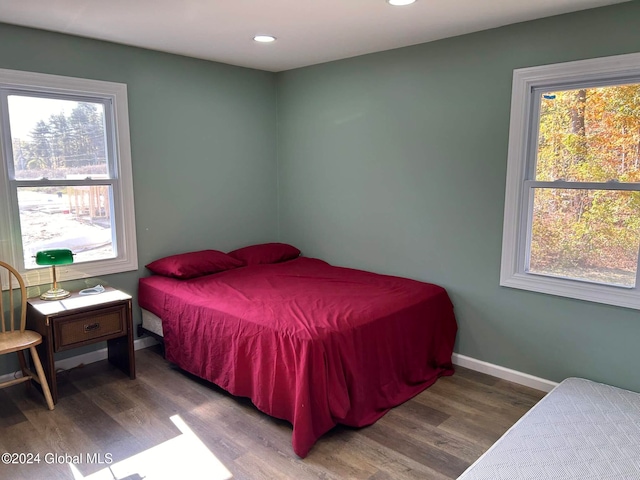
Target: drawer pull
92,327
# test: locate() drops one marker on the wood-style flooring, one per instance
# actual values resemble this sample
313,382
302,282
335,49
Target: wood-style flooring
111,427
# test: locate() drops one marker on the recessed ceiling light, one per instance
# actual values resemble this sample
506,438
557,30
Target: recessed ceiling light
264,38
398,3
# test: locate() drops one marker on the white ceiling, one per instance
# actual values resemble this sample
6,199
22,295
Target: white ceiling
308,31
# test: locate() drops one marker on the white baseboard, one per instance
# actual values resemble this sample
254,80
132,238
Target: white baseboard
503,373
462,360
87,358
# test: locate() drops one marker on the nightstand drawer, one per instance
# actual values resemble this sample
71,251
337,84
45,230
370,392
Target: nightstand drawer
74,330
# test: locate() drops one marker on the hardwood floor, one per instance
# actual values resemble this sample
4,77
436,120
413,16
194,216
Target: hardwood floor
103,416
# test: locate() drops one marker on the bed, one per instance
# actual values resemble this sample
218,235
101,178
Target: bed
581,430
311,343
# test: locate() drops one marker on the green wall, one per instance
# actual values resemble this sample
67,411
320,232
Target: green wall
396,162
203,144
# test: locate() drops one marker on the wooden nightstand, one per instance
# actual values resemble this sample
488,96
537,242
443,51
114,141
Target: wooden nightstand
83,320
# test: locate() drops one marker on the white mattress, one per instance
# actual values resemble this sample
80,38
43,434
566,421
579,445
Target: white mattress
580,430
152,322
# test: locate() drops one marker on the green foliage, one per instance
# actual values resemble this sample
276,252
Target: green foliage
588,135
63,144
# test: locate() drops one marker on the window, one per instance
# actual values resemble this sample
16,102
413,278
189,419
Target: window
572,203
65,178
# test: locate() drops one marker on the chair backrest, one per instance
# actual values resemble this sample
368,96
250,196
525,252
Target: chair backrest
10,300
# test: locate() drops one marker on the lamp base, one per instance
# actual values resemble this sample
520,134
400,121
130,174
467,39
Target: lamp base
57,294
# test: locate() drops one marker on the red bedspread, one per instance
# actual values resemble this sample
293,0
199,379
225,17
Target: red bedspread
307,342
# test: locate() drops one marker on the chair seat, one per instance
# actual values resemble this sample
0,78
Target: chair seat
14,341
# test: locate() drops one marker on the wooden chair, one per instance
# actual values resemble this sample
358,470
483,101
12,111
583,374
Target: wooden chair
13,335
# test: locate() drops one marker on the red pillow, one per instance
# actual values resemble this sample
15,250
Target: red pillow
194,264
266,253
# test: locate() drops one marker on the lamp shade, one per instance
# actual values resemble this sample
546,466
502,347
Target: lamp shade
60,256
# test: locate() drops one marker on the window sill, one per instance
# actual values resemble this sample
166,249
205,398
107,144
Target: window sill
592,292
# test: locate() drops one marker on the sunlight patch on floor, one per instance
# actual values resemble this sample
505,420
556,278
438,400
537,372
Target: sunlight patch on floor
184,456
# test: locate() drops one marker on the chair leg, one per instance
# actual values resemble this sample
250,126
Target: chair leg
42,377
22,360
23,367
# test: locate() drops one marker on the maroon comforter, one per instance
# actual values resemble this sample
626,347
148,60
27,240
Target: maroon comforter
307,342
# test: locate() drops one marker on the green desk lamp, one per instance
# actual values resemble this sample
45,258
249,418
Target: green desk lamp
60,256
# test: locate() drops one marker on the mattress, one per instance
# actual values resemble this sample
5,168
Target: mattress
580,430
152,322
307,342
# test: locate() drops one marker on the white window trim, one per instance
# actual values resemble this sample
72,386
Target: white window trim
521,136
127,259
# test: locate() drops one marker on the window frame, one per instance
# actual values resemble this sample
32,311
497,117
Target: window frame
523,132
117,127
